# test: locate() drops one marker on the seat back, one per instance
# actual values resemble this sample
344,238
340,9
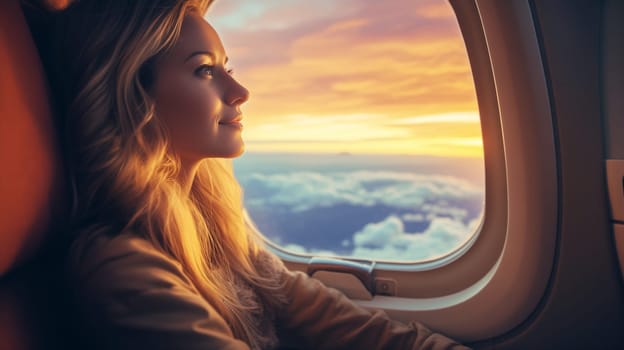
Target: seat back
31,186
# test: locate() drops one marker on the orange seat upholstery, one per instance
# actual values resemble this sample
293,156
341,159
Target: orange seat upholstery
30,169
31,190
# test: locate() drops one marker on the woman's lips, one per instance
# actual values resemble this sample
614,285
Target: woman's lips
235,122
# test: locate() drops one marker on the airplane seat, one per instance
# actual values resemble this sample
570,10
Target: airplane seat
32,195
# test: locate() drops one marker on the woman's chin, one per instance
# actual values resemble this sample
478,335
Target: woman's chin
239,152
227,148
234,152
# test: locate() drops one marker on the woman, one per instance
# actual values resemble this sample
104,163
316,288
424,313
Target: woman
161,257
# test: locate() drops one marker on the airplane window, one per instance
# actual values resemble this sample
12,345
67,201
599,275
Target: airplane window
362,132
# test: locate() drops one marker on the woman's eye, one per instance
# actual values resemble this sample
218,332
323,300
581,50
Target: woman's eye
205,70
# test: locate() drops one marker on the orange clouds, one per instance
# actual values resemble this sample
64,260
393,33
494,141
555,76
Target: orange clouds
359,83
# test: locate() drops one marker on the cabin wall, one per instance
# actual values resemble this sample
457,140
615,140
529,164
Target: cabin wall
584,305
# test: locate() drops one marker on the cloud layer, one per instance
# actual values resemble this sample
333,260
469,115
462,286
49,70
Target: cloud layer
388,241
300,191
443,206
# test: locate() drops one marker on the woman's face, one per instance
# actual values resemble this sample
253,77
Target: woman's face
196,96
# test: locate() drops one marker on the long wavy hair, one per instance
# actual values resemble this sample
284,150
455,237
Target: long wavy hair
120,156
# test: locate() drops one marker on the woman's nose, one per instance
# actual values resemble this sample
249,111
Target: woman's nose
237,94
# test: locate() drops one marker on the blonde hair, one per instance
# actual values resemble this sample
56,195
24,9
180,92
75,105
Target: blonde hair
125,174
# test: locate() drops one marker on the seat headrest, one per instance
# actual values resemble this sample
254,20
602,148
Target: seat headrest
30,166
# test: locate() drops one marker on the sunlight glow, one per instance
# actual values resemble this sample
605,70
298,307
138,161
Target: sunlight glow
365,77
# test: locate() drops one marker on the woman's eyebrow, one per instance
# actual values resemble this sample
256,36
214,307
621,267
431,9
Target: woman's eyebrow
206,53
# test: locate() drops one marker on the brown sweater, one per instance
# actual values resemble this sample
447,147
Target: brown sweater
135,297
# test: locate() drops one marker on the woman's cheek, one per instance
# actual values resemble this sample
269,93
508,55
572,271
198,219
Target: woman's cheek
202,113
198,107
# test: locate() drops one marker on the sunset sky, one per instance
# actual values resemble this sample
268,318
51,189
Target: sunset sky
358,76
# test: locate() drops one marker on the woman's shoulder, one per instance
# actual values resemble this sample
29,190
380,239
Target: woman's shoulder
99,262
133,296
